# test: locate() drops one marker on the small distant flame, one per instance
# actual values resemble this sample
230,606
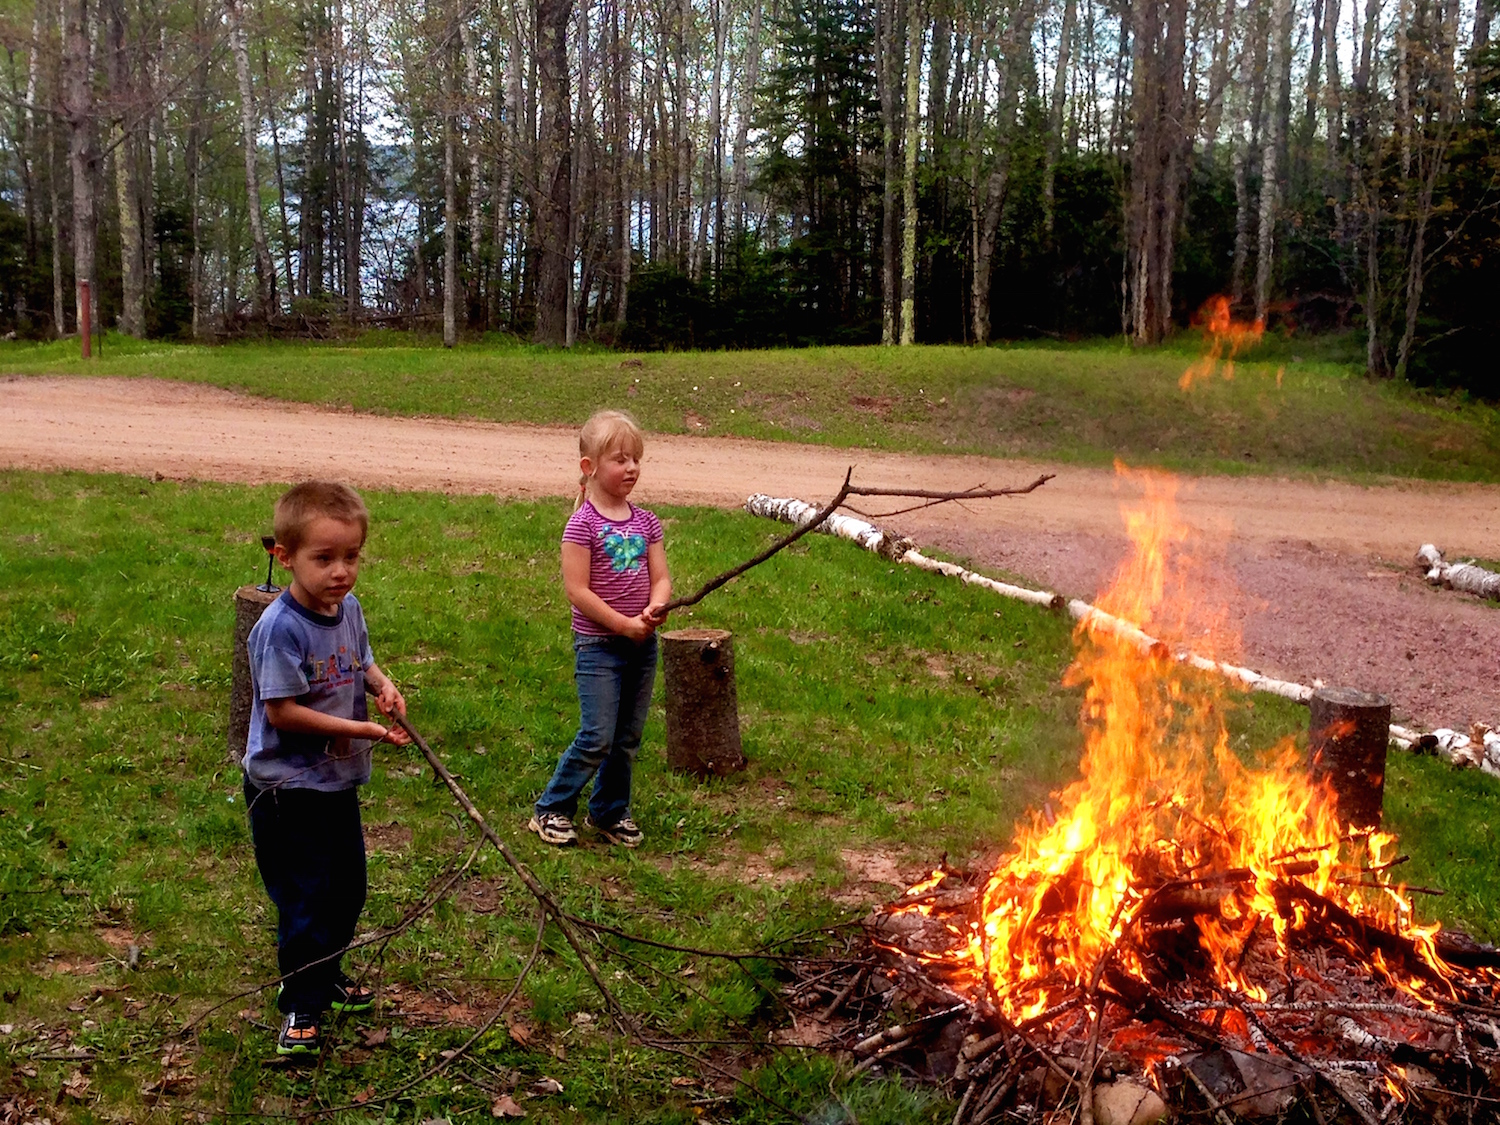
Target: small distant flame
1227,337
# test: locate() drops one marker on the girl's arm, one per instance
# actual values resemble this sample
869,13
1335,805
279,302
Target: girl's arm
575,568
661,583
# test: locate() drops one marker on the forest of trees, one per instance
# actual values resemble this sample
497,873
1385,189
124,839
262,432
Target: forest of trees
741,173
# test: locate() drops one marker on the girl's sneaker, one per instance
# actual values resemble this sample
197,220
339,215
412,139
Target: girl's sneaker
624,832
554,828
349,996
299,1035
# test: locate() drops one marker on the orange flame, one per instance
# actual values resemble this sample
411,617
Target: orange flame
1226,338
1165,808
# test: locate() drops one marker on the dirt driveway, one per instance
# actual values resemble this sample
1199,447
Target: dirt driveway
1324,586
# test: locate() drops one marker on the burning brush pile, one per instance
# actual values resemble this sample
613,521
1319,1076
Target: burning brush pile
1184,935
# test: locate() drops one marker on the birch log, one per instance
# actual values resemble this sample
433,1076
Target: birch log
1480,748
1464,577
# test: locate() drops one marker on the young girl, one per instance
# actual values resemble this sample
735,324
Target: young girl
615,573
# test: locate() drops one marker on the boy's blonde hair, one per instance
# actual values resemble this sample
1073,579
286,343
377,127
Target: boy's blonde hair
604,431
314,499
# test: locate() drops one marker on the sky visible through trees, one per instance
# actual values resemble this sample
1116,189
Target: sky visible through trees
736,173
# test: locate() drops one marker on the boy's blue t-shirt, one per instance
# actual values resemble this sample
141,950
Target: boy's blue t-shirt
319,661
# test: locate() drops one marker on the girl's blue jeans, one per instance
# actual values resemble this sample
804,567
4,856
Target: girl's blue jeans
615,676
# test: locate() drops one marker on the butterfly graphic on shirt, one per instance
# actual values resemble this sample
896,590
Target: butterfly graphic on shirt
625,551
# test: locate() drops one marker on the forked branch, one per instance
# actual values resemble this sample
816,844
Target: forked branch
849,489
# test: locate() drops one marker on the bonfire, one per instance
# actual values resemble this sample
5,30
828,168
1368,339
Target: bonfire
1180,929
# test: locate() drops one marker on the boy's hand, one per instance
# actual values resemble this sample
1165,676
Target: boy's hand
389,700
396,736
655,614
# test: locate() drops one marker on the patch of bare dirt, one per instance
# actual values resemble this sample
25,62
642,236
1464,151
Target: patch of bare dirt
1300,552
479,896
389,838
757,868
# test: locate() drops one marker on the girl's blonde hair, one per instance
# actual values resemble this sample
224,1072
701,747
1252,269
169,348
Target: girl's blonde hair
604,431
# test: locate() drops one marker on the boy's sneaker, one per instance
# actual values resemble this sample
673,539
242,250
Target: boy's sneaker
624,832
554,828
349,996
299,1035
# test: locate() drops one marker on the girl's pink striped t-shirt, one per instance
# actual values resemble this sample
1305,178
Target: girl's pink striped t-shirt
617,560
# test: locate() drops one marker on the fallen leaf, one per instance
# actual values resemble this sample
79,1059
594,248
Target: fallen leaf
77,1087
505,1106
375,1036
544,1086
520,1032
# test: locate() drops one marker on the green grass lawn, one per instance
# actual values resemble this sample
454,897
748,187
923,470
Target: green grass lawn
888,714
1294,406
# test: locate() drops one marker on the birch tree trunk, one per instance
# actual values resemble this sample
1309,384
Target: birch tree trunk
913,141
286,226
741,180
127,192
78,111
887,23
472,135
265,270
1333,94
1270,185
450,196
1055,116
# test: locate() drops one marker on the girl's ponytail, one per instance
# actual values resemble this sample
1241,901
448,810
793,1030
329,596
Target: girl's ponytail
583,491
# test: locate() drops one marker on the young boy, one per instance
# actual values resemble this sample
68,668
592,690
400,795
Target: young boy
309,749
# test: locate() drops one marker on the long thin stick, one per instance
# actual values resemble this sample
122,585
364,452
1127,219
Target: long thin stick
539,892
832,506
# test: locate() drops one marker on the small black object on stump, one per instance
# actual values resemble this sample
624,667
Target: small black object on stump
703,715
1349,733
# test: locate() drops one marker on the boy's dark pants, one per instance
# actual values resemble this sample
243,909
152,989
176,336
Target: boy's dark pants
310,849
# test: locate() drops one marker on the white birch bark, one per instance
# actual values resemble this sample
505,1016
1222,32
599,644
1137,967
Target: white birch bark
265,270
1270,183
1464,577
913,141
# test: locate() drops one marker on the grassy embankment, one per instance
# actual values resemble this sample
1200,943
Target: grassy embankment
1085,403
890,717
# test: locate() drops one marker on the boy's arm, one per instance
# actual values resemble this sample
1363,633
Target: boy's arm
575,568
661,583
389,699
287,714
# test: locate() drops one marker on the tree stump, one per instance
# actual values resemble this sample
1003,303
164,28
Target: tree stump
1349,733
703,715
249,603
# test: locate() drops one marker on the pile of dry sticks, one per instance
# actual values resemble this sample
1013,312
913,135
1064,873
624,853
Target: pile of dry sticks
1335,1039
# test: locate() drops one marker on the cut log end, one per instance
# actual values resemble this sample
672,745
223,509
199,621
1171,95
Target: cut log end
1349,732
703,722
249,603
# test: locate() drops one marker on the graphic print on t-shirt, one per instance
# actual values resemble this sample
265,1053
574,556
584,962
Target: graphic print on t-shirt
626,552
